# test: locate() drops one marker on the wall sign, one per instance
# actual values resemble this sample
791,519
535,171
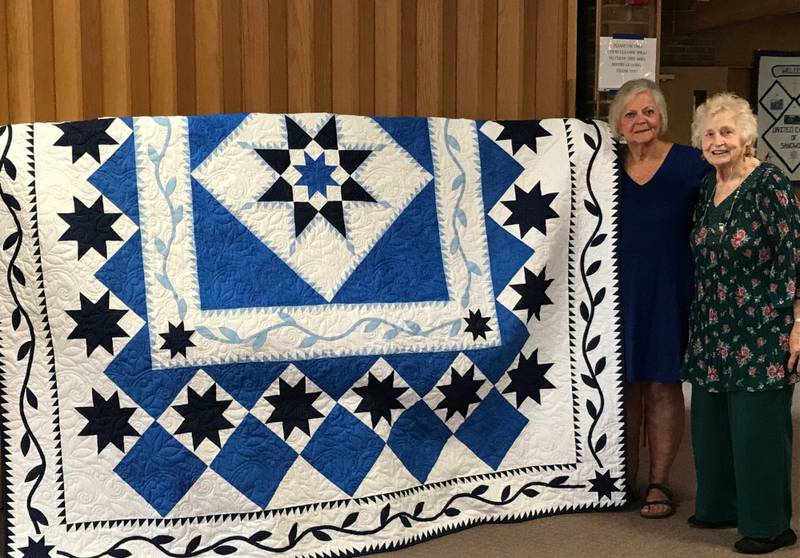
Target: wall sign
778,106
625,57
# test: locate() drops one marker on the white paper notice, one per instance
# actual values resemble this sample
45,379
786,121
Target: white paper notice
625,59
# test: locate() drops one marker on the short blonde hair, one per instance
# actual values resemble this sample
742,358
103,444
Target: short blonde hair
628,91
743,116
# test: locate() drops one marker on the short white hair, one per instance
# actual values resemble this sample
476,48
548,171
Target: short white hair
627,92
746,124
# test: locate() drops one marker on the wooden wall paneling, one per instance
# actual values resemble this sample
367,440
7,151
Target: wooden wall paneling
91,58
529,50
116,74
366,57
300,22
430,58
550,59
571,55
476,67
139,48
232,56
449,49
162,57
185,67
388,53
68,60
255,57
323,53
345,57
467,58
43,63
208,56
408,57
4,116
20,61
510,67
278,56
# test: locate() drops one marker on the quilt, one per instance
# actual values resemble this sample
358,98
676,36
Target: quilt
303,334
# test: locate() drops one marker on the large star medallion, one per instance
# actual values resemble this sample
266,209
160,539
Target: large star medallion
323,183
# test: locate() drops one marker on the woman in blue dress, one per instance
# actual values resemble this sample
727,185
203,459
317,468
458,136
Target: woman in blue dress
659,185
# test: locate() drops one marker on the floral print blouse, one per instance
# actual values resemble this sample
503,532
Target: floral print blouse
746,256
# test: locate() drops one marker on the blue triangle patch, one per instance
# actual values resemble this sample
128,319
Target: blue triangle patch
412,134
421,370
246,381
207,132
123,274
336,375
494,362
132,371
234,268
116,179
506,254
498,171
405,265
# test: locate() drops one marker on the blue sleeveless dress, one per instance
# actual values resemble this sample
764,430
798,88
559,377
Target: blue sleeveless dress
655,265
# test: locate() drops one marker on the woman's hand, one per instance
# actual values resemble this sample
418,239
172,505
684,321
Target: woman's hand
794,347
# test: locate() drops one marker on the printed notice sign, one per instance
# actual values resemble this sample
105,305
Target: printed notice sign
623,59
779,111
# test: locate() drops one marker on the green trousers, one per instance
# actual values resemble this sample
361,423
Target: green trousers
742,445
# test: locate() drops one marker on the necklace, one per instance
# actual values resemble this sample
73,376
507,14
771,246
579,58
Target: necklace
721,226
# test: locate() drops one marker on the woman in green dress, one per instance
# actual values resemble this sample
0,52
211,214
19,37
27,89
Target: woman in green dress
744,332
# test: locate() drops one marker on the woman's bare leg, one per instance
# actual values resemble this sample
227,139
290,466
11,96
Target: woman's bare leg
664,412
633,430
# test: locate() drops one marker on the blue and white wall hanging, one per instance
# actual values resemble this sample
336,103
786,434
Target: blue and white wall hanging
303,335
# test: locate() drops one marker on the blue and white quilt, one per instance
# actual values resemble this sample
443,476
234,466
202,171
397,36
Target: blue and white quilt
303,335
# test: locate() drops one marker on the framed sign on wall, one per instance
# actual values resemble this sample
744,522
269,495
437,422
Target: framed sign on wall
778,105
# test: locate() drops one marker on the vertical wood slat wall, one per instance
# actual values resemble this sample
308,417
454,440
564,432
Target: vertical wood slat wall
75,59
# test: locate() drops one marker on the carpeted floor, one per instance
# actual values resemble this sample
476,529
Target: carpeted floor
612,534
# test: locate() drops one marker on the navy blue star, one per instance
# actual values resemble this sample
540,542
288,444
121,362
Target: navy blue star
521,132
90,227
460,393
477,325
527,379
533,293
97,324
177,339
530,209
108,421
604,485
293,407
203,416
379,397
85,137
36,549
316,175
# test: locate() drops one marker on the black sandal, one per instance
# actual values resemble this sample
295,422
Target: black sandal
668,501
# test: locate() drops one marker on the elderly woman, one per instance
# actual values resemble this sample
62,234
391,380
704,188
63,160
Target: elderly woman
744,335
659,187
